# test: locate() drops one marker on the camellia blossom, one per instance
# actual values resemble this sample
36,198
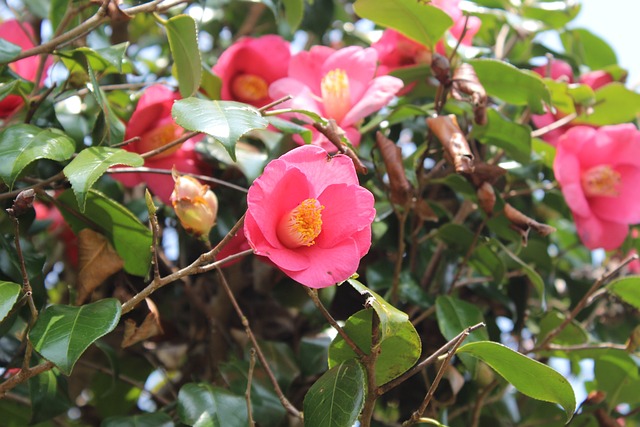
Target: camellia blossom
21,35
249,66
560,70
152,122
196,206
336,84
599,171
310,217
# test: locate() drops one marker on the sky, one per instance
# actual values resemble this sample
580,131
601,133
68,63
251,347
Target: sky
615,21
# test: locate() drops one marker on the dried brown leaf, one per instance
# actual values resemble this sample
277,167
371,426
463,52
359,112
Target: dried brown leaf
440,67
467,87
97,260
485,172
522,223
486,197
456,147
399,186
150,327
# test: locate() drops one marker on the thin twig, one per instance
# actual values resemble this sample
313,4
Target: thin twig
168,172
155,230
12,194
582,304
480,402
429,360
247,393
23,375
245,322
553,126
169,145
274,103
395,285
313,293
369,362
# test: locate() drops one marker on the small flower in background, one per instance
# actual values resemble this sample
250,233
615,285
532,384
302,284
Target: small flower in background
249,66
308,214
58,227
196,206
21,35
152,122
336,84
560,70
599,171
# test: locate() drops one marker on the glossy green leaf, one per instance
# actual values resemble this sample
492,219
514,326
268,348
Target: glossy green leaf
201,405
399,350
8,51
532,274
627,289
130,238
57,11
617,376
572,334
62,333
91,163
511,84
454,316
293,12
337,397
286,126
9,293
156,419
22,144
183,41
417,20
48,396
211,84
528,376
544,151
614,104
107,60
109,129
7,88
226,121
513,137
590,49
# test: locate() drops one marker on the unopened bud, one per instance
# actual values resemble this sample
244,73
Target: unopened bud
486,197
195,205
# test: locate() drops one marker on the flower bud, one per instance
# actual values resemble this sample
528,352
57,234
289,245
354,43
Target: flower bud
195,205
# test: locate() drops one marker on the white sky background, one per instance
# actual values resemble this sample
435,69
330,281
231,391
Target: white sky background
617,22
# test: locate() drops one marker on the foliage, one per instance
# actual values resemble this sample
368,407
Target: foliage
480,294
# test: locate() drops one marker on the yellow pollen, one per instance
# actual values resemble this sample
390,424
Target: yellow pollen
302,225
335,94
601,180
249,88
159,137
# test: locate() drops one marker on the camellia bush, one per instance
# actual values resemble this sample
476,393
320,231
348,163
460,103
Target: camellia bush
327,213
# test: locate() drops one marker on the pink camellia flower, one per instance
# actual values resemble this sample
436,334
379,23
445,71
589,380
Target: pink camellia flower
249,66
21,35
152,122
560,70
452,8
310,217
195,205
599,171
336,84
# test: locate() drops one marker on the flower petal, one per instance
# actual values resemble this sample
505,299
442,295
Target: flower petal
378,94
321,169
306,67
358,63
624,208
597,233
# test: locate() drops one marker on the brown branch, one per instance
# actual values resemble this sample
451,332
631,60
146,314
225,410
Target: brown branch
168,172
23,375
247,393
169,145
553,126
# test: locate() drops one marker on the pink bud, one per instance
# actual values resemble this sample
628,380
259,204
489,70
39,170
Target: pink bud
596,79
195,205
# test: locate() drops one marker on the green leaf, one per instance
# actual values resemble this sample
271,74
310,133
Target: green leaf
337,398
417,20
528,376
454,316
226,121
107,60
572,334
8,51
183,41
211,84
514,138
9,293
511,84
91,163
130,238
286,126
590,49
627,289
48,397
112,131
22,144
157,419
62,333
201,405
554,16
532,274
614,104
57,11
293,12
617,376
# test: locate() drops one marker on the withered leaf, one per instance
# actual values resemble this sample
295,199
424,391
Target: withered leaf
486,197
150,327
424,211
97,260
485,172
399,186
440,68
522,223
466,86
456,147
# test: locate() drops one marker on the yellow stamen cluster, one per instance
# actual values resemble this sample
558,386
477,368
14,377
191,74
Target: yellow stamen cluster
601,180
302,225
335,94
249,88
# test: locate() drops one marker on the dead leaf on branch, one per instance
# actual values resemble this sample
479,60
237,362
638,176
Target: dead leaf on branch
150,327
522,223
97,260
456,147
